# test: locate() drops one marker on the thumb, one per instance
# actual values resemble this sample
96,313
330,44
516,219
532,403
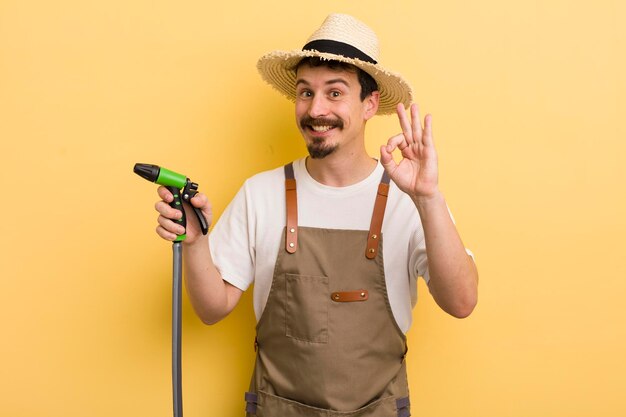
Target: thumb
202,202
199,200
386,159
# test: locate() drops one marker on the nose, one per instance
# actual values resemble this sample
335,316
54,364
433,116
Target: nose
318,106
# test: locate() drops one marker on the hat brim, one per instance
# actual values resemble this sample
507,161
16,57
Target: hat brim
277,69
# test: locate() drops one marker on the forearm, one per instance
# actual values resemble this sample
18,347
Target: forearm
212,297
453,275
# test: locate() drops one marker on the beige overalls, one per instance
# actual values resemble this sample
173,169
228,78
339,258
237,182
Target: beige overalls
327,342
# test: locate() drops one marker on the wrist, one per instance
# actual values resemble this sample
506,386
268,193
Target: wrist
426,202
196,243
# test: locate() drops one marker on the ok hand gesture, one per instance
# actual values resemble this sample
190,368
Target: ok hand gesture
417,172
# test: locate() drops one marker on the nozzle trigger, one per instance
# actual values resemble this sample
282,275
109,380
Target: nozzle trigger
189,192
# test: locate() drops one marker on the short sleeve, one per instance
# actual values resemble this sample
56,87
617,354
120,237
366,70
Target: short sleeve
232,242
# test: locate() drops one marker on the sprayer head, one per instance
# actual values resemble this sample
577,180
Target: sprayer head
147,171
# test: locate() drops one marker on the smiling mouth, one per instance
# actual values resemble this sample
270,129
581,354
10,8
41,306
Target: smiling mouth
321,125
321,129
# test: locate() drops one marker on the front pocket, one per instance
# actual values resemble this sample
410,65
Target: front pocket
273,406
306,307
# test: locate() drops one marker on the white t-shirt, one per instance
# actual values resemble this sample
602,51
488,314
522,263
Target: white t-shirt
246,239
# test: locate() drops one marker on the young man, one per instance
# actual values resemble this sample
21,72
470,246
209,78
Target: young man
331,314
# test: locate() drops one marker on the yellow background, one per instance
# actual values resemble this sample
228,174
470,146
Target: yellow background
528,99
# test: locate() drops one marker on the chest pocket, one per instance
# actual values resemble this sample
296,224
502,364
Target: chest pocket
306,307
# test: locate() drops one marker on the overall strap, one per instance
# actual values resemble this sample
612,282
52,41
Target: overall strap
291,237
377,217
291,232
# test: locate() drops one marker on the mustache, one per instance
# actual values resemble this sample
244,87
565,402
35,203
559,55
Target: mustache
320,121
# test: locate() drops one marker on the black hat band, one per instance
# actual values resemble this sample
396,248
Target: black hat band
338,48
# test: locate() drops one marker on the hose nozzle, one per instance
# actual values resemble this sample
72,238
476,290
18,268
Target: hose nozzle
161,176
181,188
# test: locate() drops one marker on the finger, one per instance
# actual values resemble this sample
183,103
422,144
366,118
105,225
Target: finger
165,234
165,194
170,226
405,124
397,141
165,210
416,123
428,130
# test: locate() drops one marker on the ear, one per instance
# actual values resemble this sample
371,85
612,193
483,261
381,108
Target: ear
370,105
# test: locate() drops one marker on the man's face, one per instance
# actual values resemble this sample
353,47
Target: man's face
329,110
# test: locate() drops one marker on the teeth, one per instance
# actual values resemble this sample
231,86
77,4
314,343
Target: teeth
321,128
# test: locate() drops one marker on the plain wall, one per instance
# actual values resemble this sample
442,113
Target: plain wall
528,104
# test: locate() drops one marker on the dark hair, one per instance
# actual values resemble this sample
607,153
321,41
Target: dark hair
368,84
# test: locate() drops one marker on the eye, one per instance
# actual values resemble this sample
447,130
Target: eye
335,94
305,94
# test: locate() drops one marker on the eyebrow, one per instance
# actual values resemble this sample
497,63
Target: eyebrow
329,82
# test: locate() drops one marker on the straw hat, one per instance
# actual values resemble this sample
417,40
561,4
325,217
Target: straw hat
340,38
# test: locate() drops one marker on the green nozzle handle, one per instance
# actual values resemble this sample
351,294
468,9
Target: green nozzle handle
181,188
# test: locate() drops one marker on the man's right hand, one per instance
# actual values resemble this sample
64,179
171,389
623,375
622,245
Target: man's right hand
168,229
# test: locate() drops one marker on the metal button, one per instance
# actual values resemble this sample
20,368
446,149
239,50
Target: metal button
336,296
372,251
374,236
291,245
362,295
292,230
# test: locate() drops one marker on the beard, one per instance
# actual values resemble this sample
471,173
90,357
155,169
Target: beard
318,148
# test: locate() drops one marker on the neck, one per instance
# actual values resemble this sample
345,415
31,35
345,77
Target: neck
338,170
